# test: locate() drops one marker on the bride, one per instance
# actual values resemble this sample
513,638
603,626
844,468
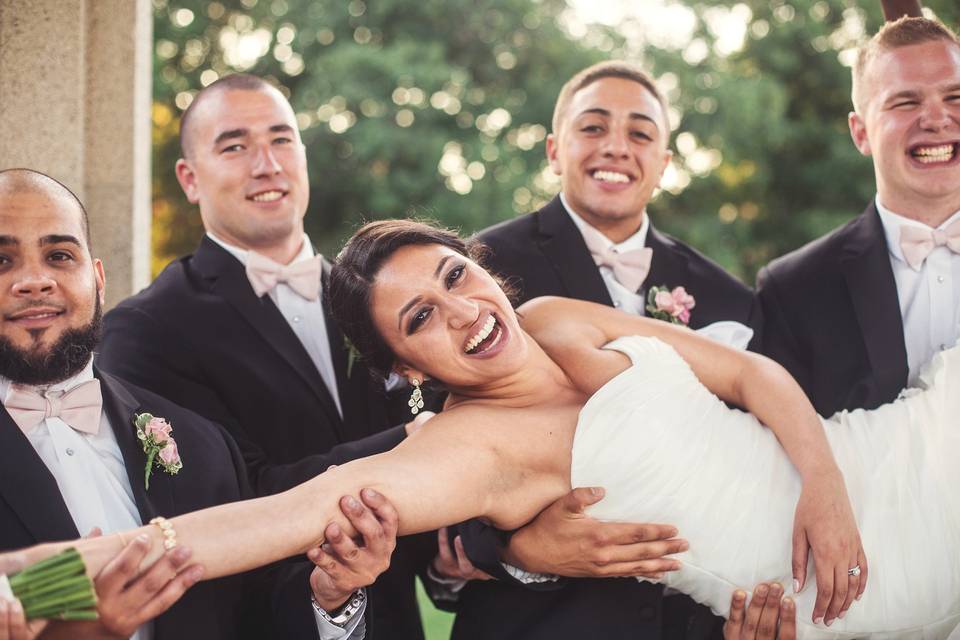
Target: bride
552,396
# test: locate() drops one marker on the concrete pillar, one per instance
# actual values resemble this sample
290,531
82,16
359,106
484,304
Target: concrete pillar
75,90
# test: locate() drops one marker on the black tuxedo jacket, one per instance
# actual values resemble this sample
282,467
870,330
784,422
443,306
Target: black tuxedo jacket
200,336
833,317
539,254
32,509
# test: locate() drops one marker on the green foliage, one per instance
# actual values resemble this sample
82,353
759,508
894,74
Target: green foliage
440,109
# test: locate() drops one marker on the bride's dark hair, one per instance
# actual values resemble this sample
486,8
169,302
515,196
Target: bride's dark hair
357,266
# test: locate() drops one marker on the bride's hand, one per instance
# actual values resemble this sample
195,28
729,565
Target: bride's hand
824,522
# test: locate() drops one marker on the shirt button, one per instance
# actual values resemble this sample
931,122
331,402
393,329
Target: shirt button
940,279
943,347
296,318
69,451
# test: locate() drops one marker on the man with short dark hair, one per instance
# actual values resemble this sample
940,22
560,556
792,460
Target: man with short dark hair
594,241
855,315
239,331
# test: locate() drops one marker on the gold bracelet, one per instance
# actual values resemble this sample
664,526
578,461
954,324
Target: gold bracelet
169,533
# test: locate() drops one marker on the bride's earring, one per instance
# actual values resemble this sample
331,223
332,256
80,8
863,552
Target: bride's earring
416,398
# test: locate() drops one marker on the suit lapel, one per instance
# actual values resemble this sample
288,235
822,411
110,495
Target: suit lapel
29,488
873,291
228,280
561,242
120,407
668,267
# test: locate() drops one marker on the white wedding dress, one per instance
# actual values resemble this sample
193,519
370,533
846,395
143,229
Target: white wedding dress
669,451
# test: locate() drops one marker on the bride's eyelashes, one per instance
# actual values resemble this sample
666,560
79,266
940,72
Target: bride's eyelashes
454,276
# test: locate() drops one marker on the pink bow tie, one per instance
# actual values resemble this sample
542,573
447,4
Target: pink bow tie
303,276
79,407
630,268
917,243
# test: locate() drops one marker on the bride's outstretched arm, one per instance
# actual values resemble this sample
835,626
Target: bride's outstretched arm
572,332
453,469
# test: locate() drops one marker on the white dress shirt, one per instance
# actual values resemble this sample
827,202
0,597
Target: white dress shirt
623,299
304,316
89,470
307,320
929,298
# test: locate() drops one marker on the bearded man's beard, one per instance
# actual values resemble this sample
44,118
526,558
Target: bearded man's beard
63,359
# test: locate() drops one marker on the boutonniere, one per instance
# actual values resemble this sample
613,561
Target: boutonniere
353,355
670,306
155,435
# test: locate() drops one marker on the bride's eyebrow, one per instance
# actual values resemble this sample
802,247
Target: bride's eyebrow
406,307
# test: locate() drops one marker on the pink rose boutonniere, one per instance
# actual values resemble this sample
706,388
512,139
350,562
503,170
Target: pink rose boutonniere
155,434
670,306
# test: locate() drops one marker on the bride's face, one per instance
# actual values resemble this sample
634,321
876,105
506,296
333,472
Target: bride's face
446,318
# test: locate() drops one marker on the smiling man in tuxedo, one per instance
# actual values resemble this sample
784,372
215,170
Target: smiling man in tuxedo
856,314
70,459
239,331
594,241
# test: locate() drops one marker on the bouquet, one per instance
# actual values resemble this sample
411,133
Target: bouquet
57,588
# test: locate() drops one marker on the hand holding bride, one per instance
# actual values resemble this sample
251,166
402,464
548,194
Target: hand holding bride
563,540
824,523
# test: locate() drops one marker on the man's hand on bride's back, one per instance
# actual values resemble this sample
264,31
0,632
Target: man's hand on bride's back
564,541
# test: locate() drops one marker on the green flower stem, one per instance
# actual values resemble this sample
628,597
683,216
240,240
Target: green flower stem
56,588
146,471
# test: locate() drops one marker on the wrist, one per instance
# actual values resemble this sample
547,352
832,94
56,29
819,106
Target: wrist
515,554
331,602
342,614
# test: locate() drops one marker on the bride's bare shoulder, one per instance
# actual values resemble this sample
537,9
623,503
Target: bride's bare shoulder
572,333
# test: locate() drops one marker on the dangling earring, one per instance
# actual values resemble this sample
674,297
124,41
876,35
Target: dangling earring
416,398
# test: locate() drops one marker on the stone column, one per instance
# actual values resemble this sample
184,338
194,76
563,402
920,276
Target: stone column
75,85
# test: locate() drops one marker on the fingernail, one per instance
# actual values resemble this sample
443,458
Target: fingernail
194,574
859,595
16,608
787,603
818,620
182,554
761,590
740,595
142,539
684,545
677,565
672,532
352,503
842,613
371,494
796,586
829,622
597,491
776,589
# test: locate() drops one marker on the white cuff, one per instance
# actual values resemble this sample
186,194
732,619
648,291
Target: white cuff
443,588
528,577
353,629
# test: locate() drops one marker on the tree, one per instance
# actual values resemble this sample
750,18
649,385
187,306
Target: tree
440,109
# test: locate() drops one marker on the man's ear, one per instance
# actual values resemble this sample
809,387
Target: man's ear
188,180
101,279
552,153
858,131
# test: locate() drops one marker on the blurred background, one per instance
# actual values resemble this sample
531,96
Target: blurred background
440,108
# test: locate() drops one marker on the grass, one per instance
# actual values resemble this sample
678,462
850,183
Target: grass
436,623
